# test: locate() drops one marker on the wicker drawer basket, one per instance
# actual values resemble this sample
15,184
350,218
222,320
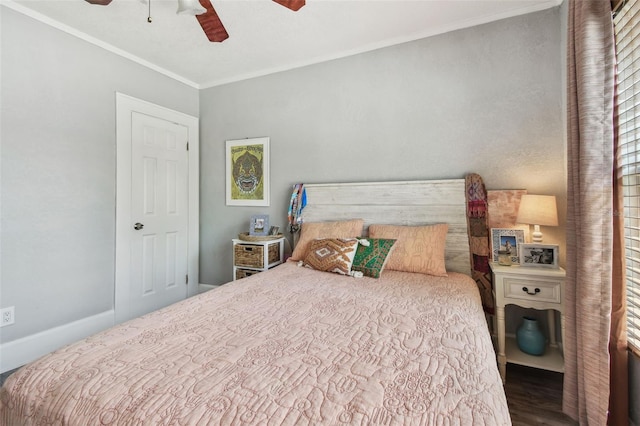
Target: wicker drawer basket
243,273
252,255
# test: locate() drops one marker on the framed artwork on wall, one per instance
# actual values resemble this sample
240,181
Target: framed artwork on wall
247,172
539,255
506,239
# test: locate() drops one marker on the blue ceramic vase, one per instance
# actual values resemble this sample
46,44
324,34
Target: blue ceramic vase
529,337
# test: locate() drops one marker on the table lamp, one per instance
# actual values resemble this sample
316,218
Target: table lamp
538,210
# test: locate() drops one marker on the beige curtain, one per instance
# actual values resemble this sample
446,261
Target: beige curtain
594,278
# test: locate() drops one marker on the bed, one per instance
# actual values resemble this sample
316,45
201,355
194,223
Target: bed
295,345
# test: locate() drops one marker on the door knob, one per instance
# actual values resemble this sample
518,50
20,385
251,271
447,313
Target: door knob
138,226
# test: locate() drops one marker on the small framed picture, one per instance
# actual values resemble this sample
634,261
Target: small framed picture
505,239
539,255
274,230
259,225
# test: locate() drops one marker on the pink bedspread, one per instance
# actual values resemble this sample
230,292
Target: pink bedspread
291,346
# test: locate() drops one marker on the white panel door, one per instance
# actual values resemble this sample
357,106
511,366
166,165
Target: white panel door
159,213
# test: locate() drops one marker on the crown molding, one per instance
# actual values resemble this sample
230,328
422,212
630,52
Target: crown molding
286,67
430,32
99,43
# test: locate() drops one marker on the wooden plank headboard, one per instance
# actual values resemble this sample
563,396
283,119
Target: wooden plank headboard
398,203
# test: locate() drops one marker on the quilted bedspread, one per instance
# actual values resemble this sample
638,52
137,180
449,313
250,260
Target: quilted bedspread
291,346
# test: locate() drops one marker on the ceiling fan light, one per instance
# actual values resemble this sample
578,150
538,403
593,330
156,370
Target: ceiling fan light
190,7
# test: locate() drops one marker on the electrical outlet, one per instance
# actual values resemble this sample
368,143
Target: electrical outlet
7,316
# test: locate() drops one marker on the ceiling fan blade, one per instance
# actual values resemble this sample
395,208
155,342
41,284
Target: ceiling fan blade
291,4
100,2
211,23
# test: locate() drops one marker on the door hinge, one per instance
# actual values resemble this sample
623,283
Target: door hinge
187,146
186,279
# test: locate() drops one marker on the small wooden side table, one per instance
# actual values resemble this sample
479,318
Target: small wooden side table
529,287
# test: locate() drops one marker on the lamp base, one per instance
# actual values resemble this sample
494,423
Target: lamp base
536,236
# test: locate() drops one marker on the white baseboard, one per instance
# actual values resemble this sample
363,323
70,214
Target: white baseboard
26,349
206,287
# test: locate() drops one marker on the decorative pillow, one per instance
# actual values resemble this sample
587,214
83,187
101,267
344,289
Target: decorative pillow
313,230
371,259
417,249
331,255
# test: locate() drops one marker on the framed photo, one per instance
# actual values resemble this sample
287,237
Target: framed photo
539,255
506,239
259,225
274,230
247,172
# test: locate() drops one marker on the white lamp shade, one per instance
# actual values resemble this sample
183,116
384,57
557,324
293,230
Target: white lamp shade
190,7
538,210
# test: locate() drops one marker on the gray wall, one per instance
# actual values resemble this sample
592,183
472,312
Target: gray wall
487,99
58,170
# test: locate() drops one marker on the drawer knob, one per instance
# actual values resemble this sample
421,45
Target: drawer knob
526,290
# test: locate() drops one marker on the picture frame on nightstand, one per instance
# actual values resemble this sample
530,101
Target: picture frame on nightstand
539,255
259,225
506,239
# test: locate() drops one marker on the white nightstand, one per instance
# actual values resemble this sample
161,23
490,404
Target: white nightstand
529,287
252,257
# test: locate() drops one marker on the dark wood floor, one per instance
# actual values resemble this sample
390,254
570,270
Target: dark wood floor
535,397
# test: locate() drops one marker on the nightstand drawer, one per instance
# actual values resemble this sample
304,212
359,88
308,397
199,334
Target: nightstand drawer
539,290
252,255
244,273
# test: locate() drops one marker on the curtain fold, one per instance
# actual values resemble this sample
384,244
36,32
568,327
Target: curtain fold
594,282
618,353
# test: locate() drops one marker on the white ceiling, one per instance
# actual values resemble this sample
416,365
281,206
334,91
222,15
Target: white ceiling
264,37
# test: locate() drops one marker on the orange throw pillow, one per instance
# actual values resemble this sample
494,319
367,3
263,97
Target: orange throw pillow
417,248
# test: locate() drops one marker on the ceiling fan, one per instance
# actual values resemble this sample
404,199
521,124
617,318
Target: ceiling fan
207,16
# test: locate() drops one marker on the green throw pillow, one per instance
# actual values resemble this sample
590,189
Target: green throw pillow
370,260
